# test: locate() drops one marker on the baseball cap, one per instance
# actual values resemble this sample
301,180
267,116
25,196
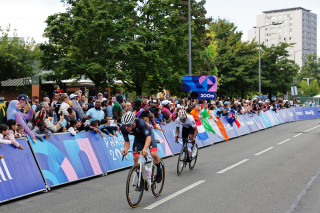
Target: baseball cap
23,97
165,102
154,101
72,96
100,93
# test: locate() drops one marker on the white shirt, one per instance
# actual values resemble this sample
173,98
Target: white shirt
189,122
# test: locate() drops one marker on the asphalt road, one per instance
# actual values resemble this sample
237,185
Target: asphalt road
274,170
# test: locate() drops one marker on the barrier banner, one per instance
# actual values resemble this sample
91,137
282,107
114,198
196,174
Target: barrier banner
218,136
19,173
283,113
65,158
274,117
250,123
170,133
265,119
309,113
229,129
244,129
163,142
292,114
108,150
316,111
257,119
299,113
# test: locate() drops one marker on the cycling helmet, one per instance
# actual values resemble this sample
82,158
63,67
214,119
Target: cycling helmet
182,114
128,118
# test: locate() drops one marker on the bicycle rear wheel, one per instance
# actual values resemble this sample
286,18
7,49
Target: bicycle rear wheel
194,155
181,161
158,187
134,189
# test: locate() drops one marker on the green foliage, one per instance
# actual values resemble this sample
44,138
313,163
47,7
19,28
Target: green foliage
84,41
277,70
235,60
310,90
17,58
310,68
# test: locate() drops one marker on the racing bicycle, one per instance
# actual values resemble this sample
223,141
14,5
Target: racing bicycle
188,155
141,178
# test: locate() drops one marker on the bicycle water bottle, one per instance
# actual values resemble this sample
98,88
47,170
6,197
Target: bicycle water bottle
148,171
189,150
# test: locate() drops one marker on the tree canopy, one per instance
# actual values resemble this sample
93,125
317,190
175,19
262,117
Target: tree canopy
17,57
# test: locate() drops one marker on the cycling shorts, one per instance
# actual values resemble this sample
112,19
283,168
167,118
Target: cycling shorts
186,131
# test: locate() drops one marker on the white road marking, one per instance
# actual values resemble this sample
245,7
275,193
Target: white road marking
259,153
286,140
302,193
232,166
174,195
312,128
297,135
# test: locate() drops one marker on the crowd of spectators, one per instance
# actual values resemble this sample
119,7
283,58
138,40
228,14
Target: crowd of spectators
74,113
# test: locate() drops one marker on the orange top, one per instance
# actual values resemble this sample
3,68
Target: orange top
195,114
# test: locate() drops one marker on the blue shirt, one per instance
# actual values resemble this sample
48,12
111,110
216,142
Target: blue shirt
109,111
95,114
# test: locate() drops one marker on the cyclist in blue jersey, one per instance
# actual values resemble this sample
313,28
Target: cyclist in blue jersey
143,140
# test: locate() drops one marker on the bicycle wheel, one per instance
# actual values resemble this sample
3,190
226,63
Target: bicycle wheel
134,189
194,155
158,187
181,161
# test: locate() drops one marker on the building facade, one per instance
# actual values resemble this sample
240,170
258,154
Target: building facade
298,26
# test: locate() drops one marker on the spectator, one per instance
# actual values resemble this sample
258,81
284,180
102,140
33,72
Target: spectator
12,124
108,110
83,103
56,90
41,129
74,124
117,108
153,106
90,102
14,112
64,99
20,131
96,113
76,106
42,115
35,103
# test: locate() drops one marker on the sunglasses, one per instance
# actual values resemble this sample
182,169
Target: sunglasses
128,126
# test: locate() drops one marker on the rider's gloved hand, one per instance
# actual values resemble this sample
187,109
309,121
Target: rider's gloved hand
124,152
144,153
177,137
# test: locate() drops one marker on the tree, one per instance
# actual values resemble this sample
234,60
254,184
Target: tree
310,90
84,40
17,57
278,71
310,68
236,60
156,57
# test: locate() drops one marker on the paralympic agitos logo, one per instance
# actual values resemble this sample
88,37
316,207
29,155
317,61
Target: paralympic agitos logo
6,173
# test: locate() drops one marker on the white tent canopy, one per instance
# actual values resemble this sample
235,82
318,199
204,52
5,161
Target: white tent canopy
317,96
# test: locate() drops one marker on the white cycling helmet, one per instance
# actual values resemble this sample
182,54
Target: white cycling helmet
182,114
128,118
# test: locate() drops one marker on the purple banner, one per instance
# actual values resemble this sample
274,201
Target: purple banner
19,173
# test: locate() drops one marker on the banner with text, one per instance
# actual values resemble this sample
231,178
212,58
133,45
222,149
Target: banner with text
19,173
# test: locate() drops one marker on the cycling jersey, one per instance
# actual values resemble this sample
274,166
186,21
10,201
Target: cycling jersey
188,123
141,131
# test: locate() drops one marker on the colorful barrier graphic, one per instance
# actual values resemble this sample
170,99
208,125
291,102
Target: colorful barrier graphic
19,173
65,158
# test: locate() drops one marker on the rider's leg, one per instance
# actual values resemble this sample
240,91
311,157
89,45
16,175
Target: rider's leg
136,158
156,160
155,157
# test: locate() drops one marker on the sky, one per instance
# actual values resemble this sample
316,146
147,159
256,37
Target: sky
28,16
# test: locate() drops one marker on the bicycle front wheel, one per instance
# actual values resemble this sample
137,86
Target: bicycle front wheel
158,187
194,155
181,161
134,187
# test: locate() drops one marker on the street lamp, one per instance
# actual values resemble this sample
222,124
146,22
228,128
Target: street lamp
308,79
259,27
189,8
294,54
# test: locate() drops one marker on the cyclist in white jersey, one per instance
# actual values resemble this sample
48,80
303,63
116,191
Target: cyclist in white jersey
189,127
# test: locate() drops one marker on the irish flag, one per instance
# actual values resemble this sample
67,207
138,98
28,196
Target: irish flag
202,134
205,121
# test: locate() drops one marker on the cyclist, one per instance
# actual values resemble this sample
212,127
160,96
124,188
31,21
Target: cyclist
143,140
189,128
